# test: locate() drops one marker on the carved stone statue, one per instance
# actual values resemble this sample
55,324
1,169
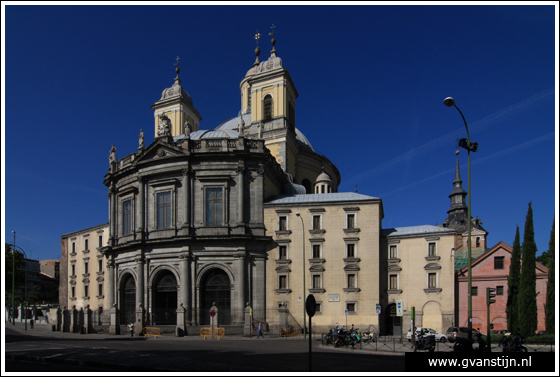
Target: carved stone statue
141,140
113,159
187,130
164,126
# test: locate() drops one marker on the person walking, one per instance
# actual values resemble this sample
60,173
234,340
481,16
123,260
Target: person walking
131,328
259,332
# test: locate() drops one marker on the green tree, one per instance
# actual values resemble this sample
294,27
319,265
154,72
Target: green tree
549,308
544,258
513,286
527,303
9,274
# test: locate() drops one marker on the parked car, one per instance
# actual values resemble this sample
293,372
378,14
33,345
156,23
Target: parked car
498,332
460,332
426,330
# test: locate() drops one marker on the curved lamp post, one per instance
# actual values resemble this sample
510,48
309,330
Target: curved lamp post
466,143
303,266
13,280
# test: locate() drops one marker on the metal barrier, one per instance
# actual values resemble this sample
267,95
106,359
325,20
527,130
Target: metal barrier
151,331
290,331
207,332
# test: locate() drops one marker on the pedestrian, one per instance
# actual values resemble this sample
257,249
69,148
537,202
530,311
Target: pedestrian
131,328
31,322
259,330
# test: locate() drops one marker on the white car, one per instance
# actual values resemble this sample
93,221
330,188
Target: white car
426,330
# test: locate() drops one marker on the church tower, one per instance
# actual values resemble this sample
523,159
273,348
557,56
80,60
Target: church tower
269,95
175,107
458,211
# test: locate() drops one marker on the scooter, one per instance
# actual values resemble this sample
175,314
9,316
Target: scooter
510,344
424,342
463,345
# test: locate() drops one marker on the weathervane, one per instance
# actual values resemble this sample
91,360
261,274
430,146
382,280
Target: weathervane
177,80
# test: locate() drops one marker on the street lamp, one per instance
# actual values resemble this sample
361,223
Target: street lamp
466,143
14,280
303,266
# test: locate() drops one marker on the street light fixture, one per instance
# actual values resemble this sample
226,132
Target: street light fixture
466,143
14,280
303,266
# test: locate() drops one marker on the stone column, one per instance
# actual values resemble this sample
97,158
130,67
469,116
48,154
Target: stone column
114,321
112,215
239,289
241,193
259,284
247,331
186,183
73,319
65,320
140,216
139,324
87,320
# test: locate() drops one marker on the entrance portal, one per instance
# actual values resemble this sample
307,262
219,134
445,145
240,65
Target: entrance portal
215,288
128,300
165,299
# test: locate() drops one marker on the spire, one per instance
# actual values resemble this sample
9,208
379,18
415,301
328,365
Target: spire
177,80
257,49
273,41
458,209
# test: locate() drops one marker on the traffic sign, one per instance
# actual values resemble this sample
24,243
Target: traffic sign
212,313
378,309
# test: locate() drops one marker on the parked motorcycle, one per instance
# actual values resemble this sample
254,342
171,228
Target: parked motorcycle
424,341
463,344
513,344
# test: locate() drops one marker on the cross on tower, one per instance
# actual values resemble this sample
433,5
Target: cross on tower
177,61
272,32
257,36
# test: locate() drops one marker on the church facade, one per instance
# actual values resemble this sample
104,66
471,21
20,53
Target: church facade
248,215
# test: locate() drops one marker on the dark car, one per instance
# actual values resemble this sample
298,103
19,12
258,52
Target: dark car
499,332
460,332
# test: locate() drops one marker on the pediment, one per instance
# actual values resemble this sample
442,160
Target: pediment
317,268
283,269
159,150
432,266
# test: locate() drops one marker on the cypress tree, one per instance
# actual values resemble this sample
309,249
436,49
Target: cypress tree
513,286
549,309
527,302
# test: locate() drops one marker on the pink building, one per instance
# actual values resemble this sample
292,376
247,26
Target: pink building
490,270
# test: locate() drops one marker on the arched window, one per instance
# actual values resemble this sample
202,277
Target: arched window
267,108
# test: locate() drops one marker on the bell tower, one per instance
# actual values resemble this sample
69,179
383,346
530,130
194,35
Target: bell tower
177,105
269,95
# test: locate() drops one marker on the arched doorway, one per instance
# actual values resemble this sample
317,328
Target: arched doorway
215,288
164,302
128,299
393,323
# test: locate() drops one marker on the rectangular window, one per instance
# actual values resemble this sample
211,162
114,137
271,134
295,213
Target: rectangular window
73,247
214,206
100,265
86,268
498,263
351,307
163,210
393,251
317,307
350,221
282,282
351,281
474,291
282,252
432,280
350,250
100,290
86,244
316,221
127,217
393,282
431,249
73,291
500,290
100,241
316,281
282,223
86,291
73,270
316,251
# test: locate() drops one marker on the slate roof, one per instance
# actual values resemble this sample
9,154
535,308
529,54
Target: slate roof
420,229
319,198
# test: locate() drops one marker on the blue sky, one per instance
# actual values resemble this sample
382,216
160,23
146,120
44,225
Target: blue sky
371,82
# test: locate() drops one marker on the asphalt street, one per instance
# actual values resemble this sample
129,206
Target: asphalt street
102,352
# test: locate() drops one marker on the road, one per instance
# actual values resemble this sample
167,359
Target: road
189,354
